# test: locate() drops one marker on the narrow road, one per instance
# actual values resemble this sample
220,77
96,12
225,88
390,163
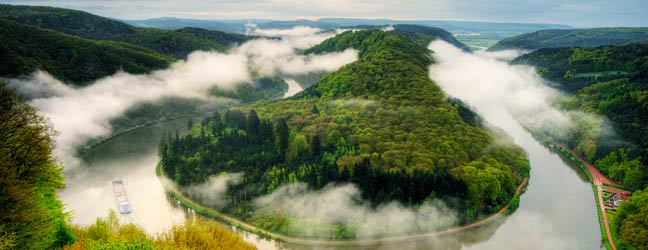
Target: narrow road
598,179
361,242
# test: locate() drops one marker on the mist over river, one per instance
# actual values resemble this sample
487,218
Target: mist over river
557,211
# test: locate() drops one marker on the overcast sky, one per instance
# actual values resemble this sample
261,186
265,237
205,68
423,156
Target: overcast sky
581,13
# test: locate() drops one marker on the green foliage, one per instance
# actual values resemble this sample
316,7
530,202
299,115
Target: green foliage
575,68
633,222
629,172
555,38
379,123
25,49
174,43
32,217
108,233
421,35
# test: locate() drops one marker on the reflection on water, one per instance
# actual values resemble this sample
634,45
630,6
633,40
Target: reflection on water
132,157
556,212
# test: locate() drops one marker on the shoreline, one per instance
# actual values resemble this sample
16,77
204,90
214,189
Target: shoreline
208,212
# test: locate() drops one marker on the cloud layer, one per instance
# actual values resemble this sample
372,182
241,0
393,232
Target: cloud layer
342,204
80,114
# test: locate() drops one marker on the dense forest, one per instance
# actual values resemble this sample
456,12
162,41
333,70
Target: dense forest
555,38
379,123
173,43
574,68
25,48
421,35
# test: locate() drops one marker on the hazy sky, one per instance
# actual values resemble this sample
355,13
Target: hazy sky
572,12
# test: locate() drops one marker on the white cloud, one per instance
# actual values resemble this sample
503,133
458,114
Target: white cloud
84,113
340,204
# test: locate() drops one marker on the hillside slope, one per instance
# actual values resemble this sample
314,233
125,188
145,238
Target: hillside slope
25,48
574,68
555,38
422,35
379,123
173,43
610,81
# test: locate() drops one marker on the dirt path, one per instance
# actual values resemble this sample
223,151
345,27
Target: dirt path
598,179
361,242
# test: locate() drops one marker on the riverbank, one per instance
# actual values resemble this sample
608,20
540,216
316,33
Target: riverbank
598,180
208,212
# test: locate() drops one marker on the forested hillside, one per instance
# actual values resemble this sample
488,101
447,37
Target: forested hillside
422,35
25,48
574,68
555,38
174,43
379,123
610,81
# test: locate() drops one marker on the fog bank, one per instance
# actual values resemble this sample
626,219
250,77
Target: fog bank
81,114
342,204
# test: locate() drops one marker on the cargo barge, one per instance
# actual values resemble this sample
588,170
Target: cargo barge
123,204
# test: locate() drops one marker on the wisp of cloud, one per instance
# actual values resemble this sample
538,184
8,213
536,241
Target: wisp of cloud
81,114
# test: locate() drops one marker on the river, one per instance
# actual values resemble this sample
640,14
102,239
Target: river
557,211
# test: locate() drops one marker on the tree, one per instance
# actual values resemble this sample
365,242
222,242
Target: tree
189,123
284,134
633,222
315,110
316,147
32,217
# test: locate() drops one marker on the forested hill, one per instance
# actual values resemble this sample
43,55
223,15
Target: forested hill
611,81
422,35
26,48
555,38
174,43
379,122
574,68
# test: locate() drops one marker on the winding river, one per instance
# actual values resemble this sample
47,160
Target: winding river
557,211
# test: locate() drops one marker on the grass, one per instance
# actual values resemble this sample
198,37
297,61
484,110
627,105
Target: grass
612,219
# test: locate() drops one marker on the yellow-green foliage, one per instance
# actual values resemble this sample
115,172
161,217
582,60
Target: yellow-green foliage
31,217
108,233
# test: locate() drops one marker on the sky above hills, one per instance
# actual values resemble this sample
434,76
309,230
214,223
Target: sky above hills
580,13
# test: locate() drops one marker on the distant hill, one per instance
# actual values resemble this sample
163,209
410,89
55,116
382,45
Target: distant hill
556,38
25,48
173,43
172,23
489,30
422,35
